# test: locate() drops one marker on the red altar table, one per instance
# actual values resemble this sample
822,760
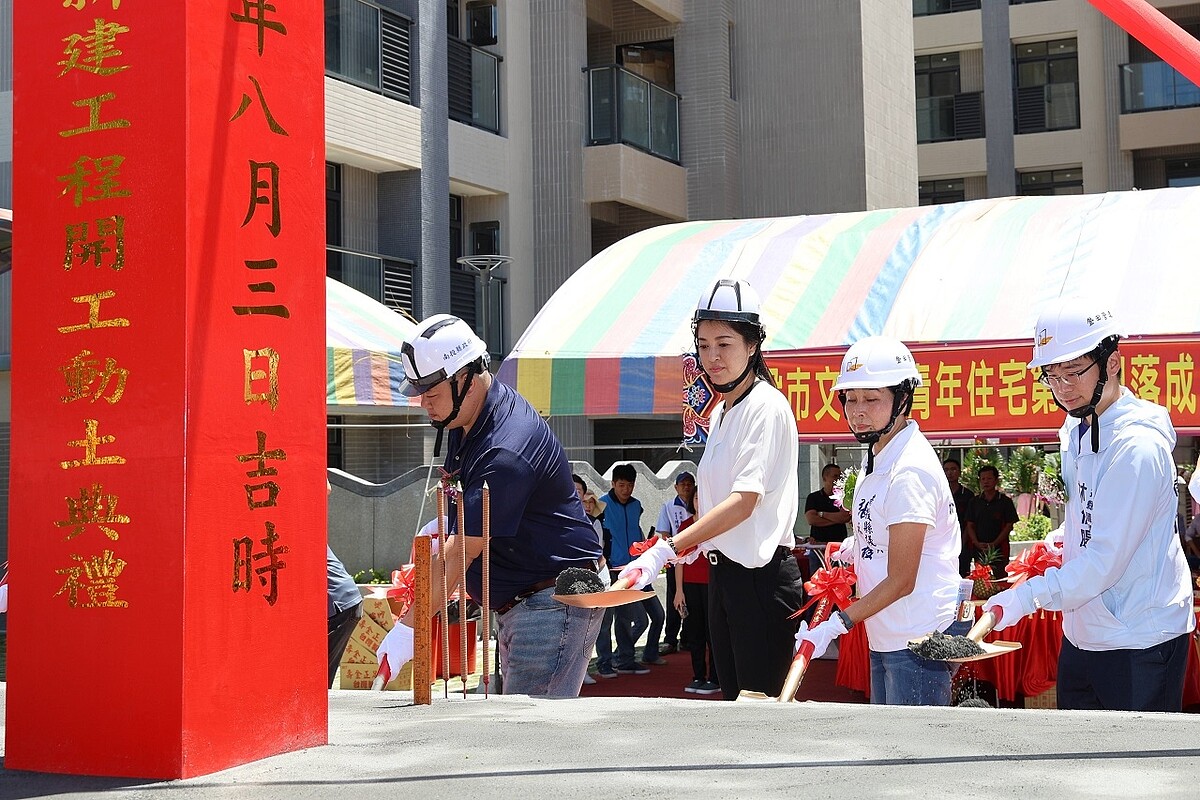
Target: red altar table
1029,671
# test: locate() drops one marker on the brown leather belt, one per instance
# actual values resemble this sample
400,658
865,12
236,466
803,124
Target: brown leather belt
528,591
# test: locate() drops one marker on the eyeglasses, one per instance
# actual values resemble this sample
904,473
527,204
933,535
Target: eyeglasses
1066,379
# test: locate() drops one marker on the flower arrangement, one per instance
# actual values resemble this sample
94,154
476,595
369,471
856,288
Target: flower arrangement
843,490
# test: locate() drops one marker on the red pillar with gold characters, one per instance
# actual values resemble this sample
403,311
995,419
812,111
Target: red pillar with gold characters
168,502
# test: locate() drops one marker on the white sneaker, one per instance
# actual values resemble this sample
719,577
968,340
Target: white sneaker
588,680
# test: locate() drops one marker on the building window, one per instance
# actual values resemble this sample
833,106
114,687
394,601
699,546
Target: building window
934,193
333,203
368,46
1047,86
334,443
452,26
482,24
654,61
1050,182
925,8
1184,172
943,112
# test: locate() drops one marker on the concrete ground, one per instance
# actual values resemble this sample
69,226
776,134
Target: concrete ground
517,747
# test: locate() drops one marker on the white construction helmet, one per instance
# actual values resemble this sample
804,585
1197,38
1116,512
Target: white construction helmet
438,348
877,362
728,300
1071,327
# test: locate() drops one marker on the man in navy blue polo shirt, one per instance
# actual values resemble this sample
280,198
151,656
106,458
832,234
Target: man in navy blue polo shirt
538,525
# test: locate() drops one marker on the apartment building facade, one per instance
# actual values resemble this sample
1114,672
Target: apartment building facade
1047,97
545,130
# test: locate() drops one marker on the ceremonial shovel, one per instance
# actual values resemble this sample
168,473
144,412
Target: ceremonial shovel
961,649
583,588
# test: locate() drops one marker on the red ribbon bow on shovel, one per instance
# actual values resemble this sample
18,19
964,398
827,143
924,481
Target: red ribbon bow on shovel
1032,563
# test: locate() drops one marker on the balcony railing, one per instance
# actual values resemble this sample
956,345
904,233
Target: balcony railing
948,118
628,109
473,82
1155,86
368,46
387,280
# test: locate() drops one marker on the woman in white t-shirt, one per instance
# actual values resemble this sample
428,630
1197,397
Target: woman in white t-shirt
906,537
746,499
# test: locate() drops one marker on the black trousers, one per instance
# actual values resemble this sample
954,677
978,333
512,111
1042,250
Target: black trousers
695,630
751,636
1124,680
341,625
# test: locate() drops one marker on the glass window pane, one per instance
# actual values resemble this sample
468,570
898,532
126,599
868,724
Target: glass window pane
1031,73
352,40
485,91
664,123
634,94
603,125
1064,70
943,84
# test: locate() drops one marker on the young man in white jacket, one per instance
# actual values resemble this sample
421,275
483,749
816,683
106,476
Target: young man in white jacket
1123,587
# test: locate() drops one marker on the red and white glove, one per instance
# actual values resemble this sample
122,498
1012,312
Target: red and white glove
1054,541
1007,605
820,636
645,568
397,648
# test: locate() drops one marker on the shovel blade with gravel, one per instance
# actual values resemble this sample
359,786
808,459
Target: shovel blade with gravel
583,588
961,649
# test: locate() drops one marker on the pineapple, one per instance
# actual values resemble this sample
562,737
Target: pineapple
985,586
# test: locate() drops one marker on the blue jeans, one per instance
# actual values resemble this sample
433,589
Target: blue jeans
631,621
657,615
545,646
902,678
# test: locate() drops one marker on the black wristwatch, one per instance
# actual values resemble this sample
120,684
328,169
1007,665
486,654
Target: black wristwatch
670,540
849,623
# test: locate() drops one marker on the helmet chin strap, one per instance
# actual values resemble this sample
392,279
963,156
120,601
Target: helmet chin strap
901,403
726,388
1088,412
456,397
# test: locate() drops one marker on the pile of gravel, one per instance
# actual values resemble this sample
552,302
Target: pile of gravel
940,647
576,580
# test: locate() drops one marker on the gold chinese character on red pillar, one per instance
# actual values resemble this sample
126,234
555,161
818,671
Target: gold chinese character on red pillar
94,124
262,376
261,470
78,4
92,507
101,573
263,287
254,12
88,52
264,192
90,442
274,126
92,179
244,556
106,238
86,377
94,321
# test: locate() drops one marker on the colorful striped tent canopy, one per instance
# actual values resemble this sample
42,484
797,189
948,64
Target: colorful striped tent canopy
610,340
362,351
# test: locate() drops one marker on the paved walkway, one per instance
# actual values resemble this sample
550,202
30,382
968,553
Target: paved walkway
516,747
